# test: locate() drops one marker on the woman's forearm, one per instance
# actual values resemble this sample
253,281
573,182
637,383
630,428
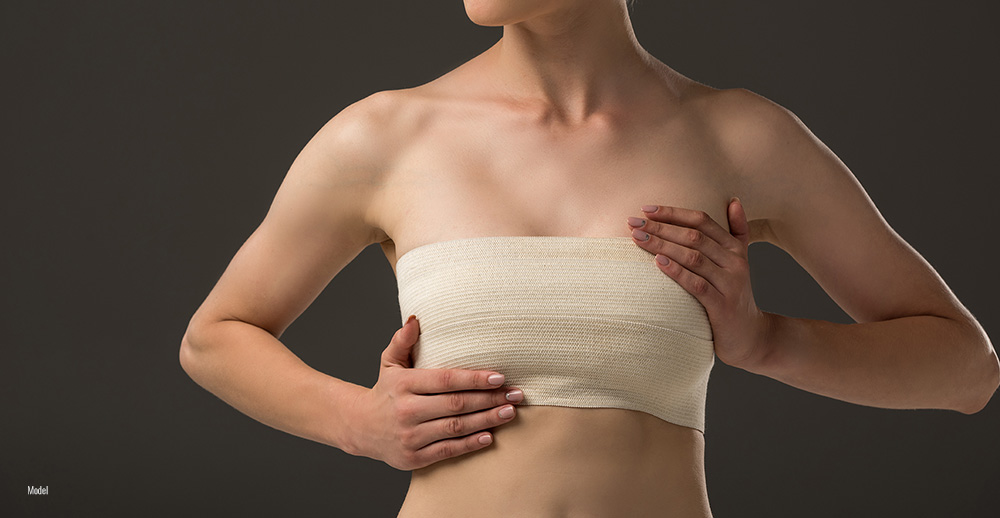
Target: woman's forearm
254,372
906,363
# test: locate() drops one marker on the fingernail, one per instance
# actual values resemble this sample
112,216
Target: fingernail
514,395
506,411
648,208
636,222
485,438
495,379
662,259
640,235
408,320
737,200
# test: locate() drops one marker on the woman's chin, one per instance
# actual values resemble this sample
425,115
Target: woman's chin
497,13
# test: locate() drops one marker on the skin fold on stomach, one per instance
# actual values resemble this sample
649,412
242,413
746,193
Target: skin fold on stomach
553,461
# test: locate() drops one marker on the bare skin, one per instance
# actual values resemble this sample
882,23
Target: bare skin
566,128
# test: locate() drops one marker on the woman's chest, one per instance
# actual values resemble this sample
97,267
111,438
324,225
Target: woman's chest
468,184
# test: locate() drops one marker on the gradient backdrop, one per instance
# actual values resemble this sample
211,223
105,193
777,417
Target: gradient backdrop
144,141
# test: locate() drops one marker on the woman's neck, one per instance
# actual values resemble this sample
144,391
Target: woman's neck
573,64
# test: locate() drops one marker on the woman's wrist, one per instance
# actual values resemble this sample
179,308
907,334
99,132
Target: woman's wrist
762,352
341,428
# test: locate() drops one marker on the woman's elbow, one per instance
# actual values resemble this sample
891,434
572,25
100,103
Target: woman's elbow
192,344
186,355
991,377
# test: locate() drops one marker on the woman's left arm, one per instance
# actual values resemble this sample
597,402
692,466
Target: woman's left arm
914,344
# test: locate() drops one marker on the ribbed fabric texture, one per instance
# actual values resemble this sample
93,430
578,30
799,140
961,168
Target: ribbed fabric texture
572,321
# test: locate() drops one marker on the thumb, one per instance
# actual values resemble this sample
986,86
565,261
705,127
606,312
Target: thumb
738,225
401,345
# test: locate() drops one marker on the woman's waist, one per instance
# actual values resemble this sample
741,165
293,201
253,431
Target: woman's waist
563,458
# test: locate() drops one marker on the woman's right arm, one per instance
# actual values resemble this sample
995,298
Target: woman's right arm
319,222
315,226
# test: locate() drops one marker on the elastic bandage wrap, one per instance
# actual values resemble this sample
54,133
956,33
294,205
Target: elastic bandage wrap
572,321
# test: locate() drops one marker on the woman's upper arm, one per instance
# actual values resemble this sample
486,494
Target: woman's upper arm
818,212
316,225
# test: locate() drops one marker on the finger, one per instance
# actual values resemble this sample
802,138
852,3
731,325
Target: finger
691,238
694,284
694,261
397,353
698,219
433,406
462,425
738,225
437,381
448,448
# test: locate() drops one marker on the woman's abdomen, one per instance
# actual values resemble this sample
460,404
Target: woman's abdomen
553,461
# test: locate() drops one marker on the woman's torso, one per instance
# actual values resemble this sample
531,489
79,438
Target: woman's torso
465,164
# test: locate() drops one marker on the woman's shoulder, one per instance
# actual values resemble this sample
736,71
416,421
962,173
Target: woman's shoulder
383,113
734,115
742,116
370,133
393,118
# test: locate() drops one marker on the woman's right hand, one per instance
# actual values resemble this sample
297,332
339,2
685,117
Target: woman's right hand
413,418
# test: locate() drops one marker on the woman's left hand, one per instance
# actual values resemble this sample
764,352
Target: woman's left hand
711,264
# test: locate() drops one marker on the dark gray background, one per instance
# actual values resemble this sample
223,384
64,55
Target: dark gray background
143,143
